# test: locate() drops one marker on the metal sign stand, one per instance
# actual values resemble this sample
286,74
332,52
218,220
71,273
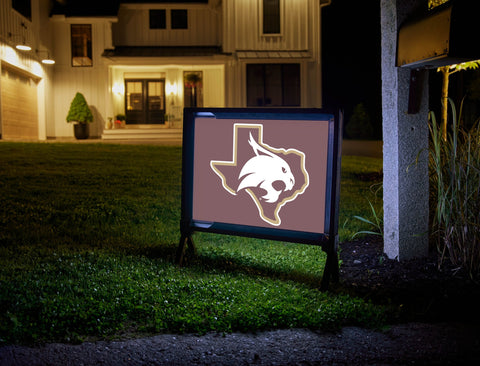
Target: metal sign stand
185,245
329,243
331,272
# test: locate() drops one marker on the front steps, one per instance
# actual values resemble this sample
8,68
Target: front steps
144,132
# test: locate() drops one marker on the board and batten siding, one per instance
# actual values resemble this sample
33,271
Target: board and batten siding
133,27
91,81
242,26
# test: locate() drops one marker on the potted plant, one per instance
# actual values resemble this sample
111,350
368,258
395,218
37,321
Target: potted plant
81,115
120,120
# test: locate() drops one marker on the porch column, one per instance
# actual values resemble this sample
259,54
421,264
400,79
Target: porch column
405,184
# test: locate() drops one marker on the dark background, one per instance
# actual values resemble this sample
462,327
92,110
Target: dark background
351,58
351,68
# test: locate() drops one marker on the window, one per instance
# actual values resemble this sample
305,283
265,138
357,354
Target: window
179,19
158,19
271,16
24,7
273,85
192,89
81,44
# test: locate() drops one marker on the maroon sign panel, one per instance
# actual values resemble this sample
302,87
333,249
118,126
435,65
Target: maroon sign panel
267,173
260,172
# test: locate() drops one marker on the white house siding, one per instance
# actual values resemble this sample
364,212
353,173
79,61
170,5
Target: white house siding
299,42
242,27
91,81
133,27
14,27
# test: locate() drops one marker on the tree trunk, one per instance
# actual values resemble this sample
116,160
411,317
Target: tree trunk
446,75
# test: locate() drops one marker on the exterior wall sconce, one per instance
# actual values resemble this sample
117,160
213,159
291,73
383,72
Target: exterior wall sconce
46,60
22,44
118,89
172,89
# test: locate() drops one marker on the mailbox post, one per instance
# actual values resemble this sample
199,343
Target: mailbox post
411,44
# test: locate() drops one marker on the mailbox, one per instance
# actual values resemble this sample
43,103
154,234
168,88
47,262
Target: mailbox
445,36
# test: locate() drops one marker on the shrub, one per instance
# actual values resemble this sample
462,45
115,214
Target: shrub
359,126
455,183
79,110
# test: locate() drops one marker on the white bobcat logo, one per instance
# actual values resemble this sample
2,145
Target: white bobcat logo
267,171
268,176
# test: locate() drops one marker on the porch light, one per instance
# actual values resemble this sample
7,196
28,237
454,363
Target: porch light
118,88
172,88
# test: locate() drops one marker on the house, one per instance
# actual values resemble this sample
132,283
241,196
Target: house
147,60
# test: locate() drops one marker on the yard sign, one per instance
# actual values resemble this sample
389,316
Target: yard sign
265,173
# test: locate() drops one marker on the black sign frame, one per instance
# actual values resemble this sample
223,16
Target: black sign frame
328,239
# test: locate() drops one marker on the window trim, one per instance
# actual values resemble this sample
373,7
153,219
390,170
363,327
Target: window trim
260,19
71,45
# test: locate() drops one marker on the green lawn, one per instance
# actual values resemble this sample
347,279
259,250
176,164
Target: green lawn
88,234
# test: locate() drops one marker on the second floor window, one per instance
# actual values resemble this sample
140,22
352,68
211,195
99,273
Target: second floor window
81,45
271,17
158,19
179,19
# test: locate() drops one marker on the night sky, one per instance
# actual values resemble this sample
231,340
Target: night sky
351,58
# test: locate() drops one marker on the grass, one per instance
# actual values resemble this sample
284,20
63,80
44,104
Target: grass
88,234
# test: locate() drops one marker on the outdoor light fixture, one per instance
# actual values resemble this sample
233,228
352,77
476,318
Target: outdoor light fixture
21,45
172,88
46,60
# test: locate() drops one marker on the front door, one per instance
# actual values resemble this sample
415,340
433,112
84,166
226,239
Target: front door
145,101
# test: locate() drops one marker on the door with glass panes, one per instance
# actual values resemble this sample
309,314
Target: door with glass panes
145,101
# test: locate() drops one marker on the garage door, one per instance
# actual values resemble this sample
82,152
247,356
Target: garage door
19,105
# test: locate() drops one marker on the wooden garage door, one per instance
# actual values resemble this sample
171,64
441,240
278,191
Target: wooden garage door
19,105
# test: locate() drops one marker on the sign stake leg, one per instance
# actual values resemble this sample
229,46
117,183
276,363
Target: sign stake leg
186,244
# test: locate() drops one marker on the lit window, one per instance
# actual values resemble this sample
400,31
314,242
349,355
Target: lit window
158,19
81,44
179,19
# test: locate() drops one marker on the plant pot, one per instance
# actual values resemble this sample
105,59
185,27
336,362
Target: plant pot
81,131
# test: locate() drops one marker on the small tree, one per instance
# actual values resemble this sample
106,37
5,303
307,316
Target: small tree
79,110
359,125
